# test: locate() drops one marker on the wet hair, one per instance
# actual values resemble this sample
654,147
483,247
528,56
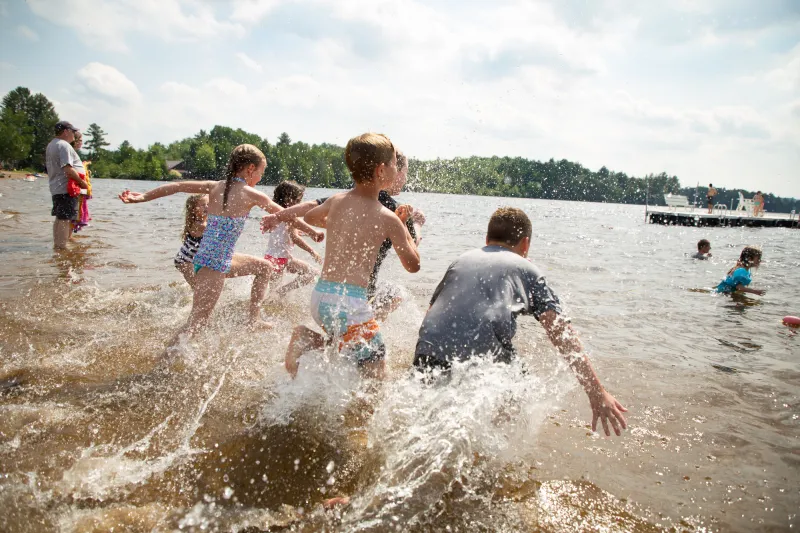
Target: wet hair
749,255
402,161
509,225
710,185
363,154
190,215
702,243
288,193
241,156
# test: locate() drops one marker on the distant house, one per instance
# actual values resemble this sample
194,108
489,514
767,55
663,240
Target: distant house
178,166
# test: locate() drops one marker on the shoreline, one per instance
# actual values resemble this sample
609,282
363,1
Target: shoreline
14,175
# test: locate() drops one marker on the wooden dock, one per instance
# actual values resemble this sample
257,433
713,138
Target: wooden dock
699,216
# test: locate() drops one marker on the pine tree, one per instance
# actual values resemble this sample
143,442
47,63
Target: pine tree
97,140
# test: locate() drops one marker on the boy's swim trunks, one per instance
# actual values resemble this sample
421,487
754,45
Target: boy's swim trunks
342,310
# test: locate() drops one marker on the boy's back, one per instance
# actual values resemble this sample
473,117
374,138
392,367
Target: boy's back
473,310
357,225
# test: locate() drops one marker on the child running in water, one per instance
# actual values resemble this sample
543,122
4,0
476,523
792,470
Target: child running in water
196,219
738,277
285,236
385,297
357,225
228,206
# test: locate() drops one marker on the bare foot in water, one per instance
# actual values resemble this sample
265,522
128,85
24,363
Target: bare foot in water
335,502
260,325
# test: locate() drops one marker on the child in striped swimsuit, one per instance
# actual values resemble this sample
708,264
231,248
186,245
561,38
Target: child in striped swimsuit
230,201
193,228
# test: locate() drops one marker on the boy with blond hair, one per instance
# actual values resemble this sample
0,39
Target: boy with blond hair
357,225
474,311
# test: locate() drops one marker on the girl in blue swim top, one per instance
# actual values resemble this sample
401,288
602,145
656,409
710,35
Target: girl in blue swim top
738,277
229,203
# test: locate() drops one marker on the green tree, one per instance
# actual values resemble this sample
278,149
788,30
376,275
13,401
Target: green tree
204,164
41,118
284,139
97,140
15,137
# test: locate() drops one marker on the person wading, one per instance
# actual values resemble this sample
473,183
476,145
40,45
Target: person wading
61,160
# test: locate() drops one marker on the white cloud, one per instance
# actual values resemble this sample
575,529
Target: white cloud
249,62
787,76
250,12
108,83
27,33
108,23
639,89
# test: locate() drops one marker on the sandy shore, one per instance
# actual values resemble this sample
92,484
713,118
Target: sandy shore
13,174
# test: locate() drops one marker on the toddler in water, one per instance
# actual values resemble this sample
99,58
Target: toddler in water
229,204
285,236
738,277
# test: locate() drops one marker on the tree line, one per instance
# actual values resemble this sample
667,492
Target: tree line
27,121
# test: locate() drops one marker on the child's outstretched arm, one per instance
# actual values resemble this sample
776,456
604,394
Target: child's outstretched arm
301,225
194,187
403,242
604,406
262,200
303,245
319,215
742,288
290,213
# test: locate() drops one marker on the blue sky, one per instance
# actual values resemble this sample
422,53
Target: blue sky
708,90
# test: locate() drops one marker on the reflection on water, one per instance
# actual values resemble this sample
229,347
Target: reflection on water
96,436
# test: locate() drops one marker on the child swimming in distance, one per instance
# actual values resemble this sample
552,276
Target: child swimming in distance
703,250
230,201
285,236
738,277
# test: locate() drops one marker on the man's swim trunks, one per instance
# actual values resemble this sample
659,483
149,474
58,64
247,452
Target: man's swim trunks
342,310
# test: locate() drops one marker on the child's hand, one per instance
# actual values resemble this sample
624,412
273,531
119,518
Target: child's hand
418,217
760,292
318,236
268,223
606,408
403,212
130,197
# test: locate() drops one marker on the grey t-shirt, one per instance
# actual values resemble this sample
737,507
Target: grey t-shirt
698,255
474,309
59,154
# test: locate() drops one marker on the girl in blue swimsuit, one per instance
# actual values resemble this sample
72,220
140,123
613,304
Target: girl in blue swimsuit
738,277
229,203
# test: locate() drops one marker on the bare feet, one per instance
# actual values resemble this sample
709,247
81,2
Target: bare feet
335,502
260,324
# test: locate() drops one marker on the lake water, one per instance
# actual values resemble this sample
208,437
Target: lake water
94,438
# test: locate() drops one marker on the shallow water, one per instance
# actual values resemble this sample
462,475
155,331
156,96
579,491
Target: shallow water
95,437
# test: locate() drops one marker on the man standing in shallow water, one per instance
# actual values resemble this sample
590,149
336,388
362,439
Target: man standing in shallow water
61,160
